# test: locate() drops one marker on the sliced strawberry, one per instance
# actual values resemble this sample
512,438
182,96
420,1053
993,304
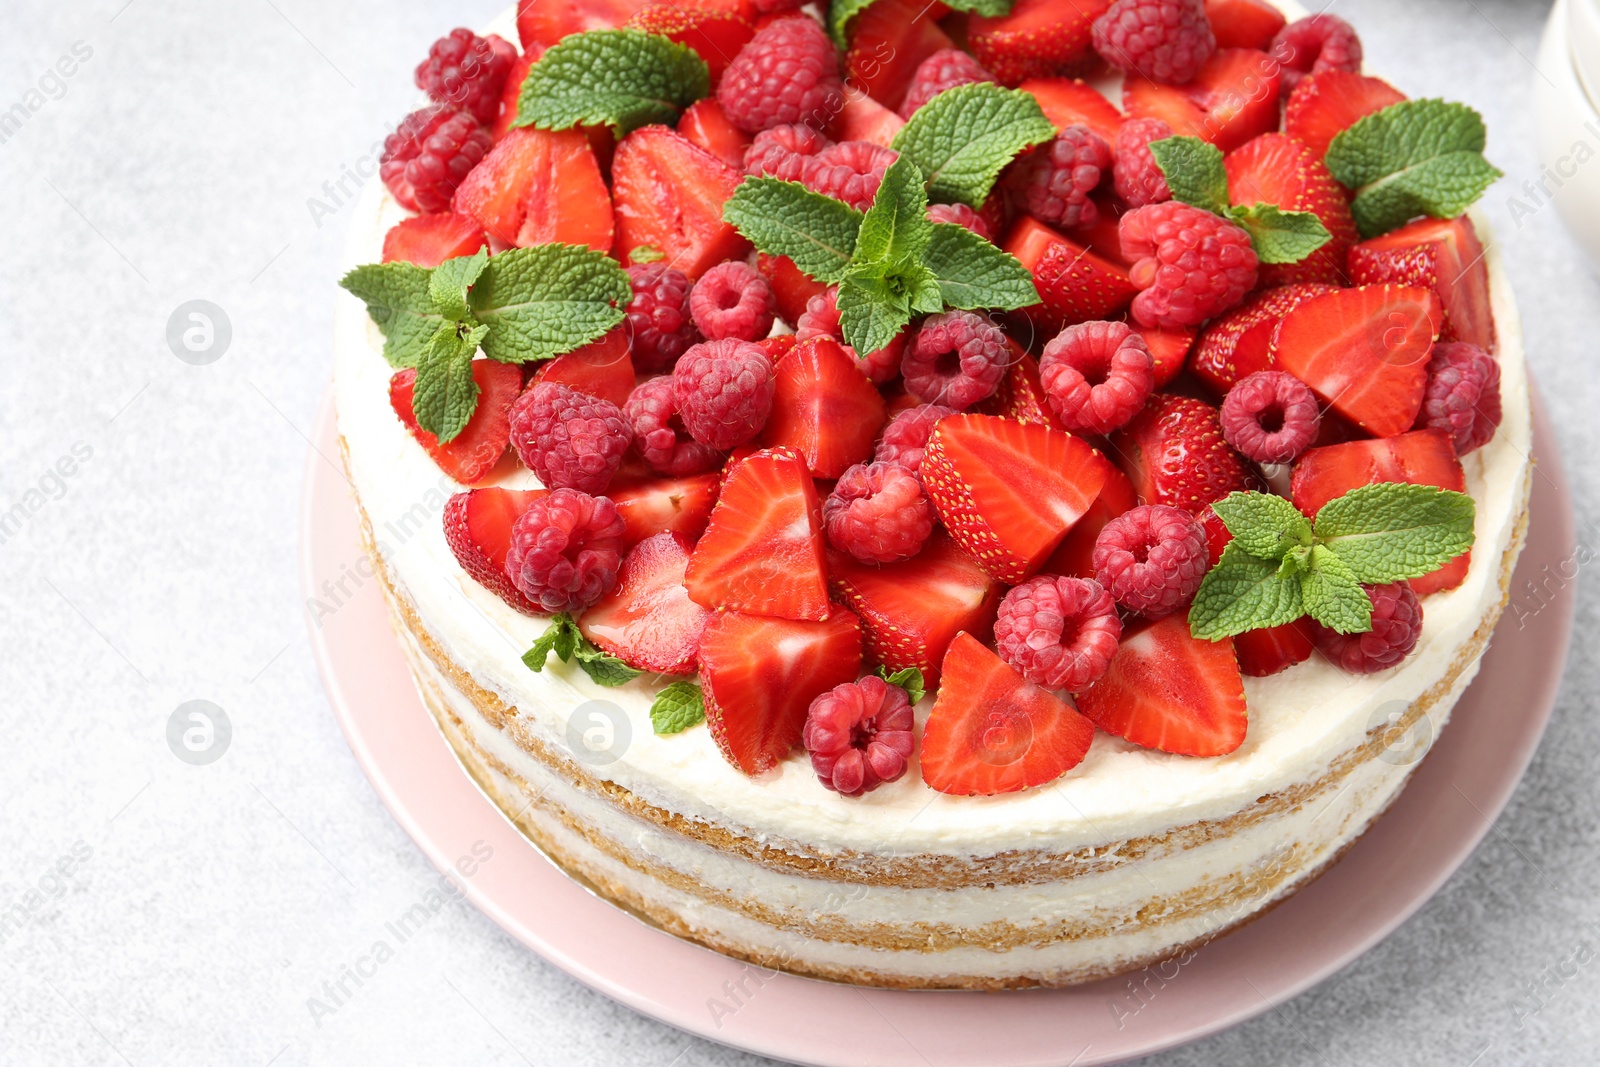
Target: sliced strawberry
477,526
888,41
651,505
1074,102
546,22
511,95
429,240
823,408
1168,348
716,36
1173,453
1036,39
1239,343
539,186
1363,351
1273,649
777,347
761,674
1021,394
706,125
647,620
471,454
792,286
669,195
993,731
1282,170
1103,236
1008,492
1325,104
1244,23
1444,255
864,119
762,553
602,368
1074,284
1075,555
1233,98
912,610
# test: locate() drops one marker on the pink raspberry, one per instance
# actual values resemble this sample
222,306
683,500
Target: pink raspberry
1134,171
571,440
429,154
468,72
956,359
1396,625
1270,417
1053,182
945,69
821,319
859,735
733,300
878,513
850,171
1190,265
788,73
906,437
1151,559
723,390
1463,395
565,550
1096,375
1163,40
659,435
1058,632
659,322
961,215
784,151
1315,44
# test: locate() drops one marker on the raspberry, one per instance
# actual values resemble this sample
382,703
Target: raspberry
784,151
1315,44
1191,265
1135,174
850,171
1152,558
1396,624
571,440
1163,40
1096,375
961,215
429,154
945,69
821,319
956,359
468,72
878,513
1053,182
565,550
1463,395
788,73
1270,417
906,436
859,735
733,300
1058,632
659,434
723,390
659,321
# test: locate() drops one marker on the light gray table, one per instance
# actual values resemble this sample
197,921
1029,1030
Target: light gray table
200,150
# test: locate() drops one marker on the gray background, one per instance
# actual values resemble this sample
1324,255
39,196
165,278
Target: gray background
216,899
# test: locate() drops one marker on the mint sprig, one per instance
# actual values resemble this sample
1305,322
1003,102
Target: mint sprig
619,78
908,678
567,642
677,707
398,299
787,219
963,138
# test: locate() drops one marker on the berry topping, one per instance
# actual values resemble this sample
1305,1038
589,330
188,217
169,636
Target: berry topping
1058,632
1396,625
956,359
889,39
823,409
1272,649
477,527
648,620
1075,555
906,436
1074,283
961,215
784,151
659,434
1037,38
1162,40
714,32
850,171
1053,182
569,439
1279,170
1316,44
1238,344
429,155
733,300
724,392
1324,105
945,69
429,240
538,187
1189,264
467,72
704,125
1096,376
470,455
788,73
821,319
1152,558
1444,255
669,194
1233,97
878,513
565,550
667,505
600,368
859,735
658,316
1136,175
1463,395
1244,23
1270,417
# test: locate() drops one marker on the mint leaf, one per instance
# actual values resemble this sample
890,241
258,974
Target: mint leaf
1280,236
621,78
561,638
1417,157
542,301
446,395
1391,531
1263,524
678,707
908,678
603,668
840,12
874,308
963,138
974,274
398,299
787,219
1194,172
1332,595
896,227
1243,592
448,286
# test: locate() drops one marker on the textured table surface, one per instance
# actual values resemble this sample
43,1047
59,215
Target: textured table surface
204,149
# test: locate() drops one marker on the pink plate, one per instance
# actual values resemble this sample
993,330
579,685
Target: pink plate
1461,787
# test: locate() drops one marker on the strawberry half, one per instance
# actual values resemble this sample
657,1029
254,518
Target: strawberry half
1326,104
539,186
1173,453
1233,98
511,95
1075,555
1170,691
1074,102
761,674
1281,170
1244,23
716,36
1007,491
706,125
1021,394
823,408
1075,284
762,552
993,731
471,454
542,23
669,195
792,287
647,620
1444,255
1036,39
1169,350
1239,343
1273,648
429,240
889,39
650,506
477,527
602,368
864,119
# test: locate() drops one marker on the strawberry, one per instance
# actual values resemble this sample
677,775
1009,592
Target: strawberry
1244,23
1328,102
1363,351
1074,102
1170,691
511,95
471,454
1274,648
477,526
993,731
762,552
1232,99
1278,169
1075,284
539,186
823,408
761,674
650,505
669,195
864,119
1021,393
715,35
602,368
1168,348
1444,255
1238,344
1007,491
1036,39
542,23
647,620
888,41
706,125
912,610
1074,555
429,240
1174,454
792,286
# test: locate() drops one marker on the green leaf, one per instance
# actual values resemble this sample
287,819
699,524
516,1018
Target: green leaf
974,274
1243,592
1417,157
561,638
1280,236
446,395
451,280
1332,595
602,668
896,227
1391,531
540,302
840,12
1263,524
787,219
1194,172
873,309
908,678
621,78
398,299
677,707
963,138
